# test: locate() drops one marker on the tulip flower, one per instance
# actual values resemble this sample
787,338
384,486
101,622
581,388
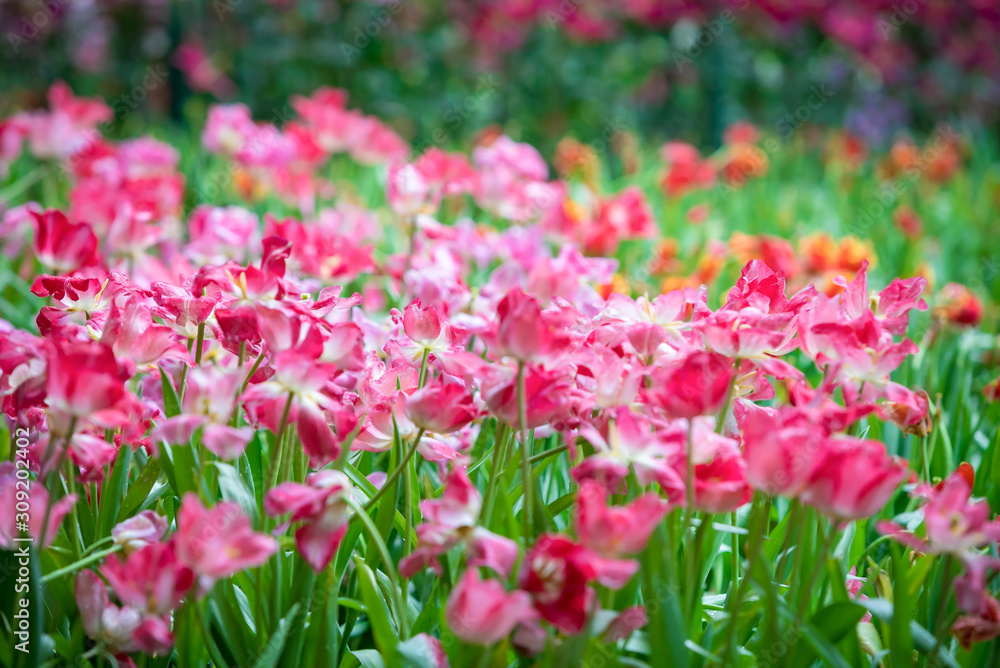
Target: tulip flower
556,573
61,245
615,531
441,406
121,629
322,505
144,528
481,612
150,579
696,384
218,542
38,507
451,520
853,478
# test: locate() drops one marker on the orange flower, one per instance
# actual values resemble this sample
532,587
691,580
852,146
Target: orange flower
574,158
908,222
746,161
958,305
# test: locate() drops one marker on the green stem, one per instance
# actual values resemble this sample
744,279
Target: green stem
526,485
499,442
383,549
394,476
22,184
184,374
693,567
77,565
253,370
792,530
62,456
75,538
720,421
688,482
272,477
757,523
806,592
422,378
939,616
200,345
734,556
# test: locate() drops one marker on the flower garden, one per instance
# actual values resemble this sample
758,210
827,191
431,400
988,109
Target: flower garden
310,391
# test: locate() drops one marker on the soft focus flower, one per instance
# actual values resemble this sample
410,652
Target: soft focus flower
122,630
150,579
557,573
84,383
616,531
979,627
441,406
481,612
144,528
63,246
11,502
958,305
908,222
219,542
322,505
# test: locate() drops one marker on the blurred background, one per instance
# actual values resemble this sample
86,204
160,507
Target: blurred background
440,71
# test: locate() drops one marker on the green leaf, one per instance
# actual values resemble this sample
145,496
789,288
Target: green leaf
234,488
923,639
900,638
376,610
415,653
268,658
835,622
112,492
171,403
819,644
772,545
362,658
661,597
182,467
139,490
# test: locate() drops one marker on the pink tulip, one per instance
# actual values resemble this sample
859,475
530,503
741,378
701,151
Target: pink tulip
525,332
720,486
617,530
219,542
150,578
451,520
136,532
134,337
780,448
321,504
61,245
696,384
982,626
408,192
38,502
556,573
441,406
121,629
481,612
546,395
85,382
853,478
